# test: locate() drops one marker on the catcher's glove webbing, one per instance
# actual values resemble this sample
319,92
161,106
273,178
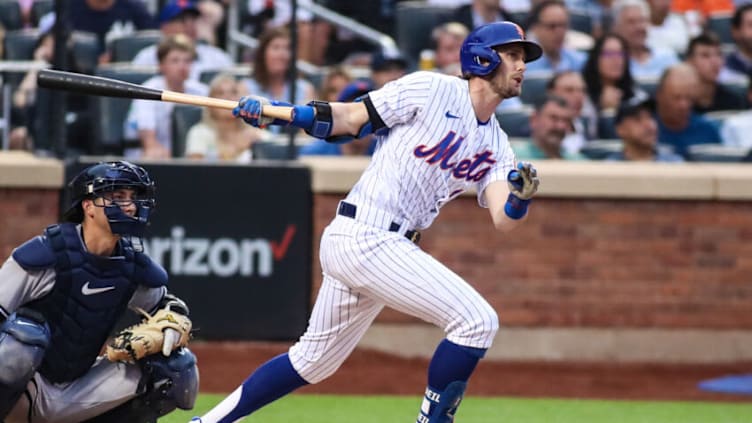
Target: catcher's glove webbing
148,337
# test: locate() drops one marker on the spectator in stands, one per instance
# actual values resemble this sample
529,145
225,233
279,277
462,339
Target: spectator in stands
631,21
740,61
571,87
479,12
548,25
219,136
667,30
271,66
447,39
699,10
549,124
109,19
678,125
313,34
385,68
358,147
599,11
376,14
607,74
336,79
704,54
736,130
638,130
181,17
149,121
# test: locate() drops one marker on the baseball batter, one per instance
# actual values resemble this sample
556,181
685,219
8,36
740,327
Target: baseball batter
437,138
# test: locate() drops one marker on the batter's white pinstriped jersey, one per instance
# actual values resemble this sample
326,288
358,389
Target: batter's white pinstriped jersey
435,150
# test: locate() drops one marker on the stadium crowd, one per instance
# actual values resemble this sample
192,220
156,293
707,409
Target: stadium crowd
659,80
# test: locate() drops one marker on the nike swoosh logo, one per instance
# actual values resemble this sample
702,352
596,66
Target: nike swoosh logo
91,291
450,115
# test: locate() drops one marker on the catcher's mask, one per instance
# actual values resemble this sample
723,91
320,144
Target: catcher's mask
106,177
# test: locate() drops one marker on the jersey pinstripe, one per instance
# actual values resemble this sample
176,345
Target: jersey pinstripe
435,150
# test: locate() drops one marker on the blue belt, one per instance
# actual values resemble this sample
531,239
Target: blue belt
349,210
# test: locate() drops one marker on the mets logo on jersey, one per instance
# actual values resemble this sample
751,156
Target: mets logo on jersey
471,169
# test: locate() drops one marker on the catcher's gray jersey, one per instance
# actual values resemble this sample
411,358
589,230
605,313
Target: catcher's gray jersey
102,388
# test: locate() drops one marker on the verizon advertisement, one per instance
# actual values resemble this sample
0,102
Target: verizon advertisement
236,242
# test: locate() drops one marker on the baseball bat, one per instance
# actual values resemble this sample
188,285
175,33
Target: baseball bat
108,87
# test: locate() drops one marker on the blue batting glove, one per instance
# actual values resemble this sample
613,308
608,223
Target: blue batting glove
250,108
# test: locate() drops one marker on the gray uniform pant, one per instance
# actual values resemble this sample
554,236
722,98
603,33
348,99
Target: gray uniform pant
105,386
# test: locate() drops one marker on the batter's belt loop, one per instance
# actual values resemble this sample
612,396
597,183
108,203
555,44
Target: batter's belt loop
351,210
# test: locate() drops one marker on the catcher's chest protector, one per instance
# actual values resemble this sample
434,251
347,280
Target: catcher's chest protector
89,296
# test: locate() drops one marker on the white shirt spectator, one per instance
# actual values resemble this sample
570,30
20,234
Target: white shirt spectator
282,11
673,34
155,115
208,57
736,129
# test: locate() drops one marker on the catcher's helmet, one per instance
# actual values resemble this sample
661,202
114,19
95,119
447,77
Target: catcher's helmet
105,177
477,55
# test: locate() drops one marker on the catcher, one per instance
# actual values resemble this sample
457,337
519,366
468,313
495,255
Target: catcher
61,295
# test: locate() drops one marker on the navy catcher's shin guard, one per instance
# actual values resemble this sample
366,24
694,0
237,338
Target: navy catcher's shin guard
439,407
168,383
24,337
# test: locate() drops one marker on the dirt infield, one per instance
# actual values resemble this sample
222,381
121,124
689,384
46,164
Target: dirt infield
225,365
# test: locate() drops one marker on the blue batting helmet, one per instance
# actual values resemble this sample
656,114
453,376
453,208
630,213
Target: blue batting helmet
105,177
477,55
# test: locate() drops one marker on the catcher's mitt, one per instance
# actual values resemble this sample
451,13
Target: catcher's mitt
147,337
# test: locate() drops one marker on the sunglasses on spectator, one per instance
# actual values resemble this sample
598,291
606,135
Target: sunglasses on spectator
612,53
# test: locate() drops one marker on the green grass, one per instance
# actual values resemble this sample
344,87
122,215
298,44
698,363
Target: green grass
390,409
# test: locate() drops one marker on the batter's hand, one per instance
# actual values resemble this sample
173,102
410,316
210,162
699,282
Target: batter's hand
250,108
523,181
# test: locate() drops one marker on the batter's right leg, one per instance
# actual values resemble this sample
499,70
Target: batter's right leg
338,321
24,337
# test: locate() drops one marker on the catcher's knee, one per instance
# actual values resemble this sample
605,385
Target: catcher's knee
171,382
24,337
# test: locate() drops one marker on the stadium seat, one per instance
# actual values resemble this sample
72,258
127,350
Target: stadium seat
606,127
515,122
271,150
519,17
19,44
534,87
601,148
125,48
415,20
10,15
649,85
109,113
40,8
716,153
720,24
183,118
580,21
85,51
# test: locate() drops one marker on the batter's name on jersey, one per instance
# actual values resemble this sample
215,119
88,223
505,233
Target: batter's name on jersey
472,169
224,257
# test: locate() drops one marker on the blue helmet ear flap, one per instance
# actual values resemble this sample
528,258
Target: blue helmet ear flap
480,54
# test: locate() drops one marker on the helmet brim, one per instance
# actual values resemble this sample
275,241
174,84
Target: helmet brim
533,51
